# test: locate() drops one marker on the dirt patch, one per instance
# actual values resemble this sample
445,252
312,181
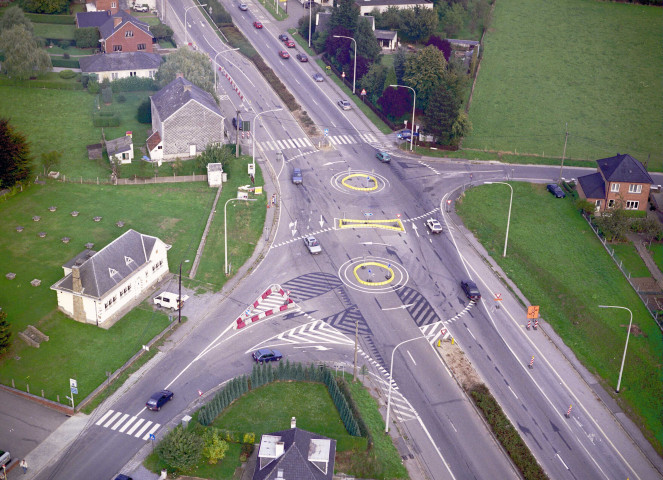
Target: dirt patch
635,330
306,123
646,284
460,366
168,223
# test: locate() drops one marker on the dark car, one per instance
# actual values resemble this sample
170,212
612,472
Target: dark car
283,37
301,57
123,477
284,54
556,190
297,178
471,290
235,123
158,399
267,355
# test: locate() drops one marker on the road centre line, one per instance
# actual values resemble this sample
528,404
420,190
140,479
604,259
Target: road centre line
514,393
560,459
411,358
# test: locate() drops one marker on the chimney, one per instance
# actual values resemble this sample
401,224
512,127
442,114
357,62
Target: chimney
280,447
117,21
187,88
293,422
76,286
179,75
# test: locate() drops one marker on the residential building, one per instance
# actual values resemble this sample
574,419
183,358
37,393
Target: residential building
120,150
99,286
114,66
119,32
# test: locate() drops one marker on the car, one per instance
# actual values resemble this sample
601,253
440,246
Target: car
313,245
141,8
344,104
318,77
556,190
5,458
471,290
258,25
433,225
283,37
158,399
284,54
302,58
289,44
297,178
384,157
308,4
404,134
123,477
235,124
243,7
267,355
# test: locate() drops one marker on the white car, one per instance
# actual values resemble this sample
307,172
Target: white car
313,245
141,8
344,104
433,225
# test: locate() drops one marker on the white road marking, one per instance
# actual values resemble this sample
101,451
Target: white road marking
131,430
113,418
514,393
126,425
119,422
101,420
470,332
145,427
560,459
411,358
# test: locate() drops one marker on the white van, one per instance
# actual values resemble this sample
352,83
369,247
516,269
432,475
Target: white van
169,300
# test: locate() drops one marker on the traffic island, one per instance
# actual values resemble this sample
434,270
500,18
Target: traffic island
394,224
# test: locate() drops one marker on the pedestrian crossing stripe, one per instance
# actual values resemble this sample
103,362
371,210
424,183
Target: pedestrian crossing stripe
432,331
137,427
304,142
301,237
427,214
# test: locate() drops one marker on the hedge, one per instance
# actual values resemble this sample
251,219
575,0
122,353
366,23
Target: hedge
65,63
99,121
133,84
87,37
57,19
363,428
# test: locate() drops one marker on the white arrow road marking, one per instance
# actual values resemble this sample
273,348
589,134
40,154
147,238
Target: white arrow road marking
375,243
317,347
332,163
293,227
322,222
396,308
416,230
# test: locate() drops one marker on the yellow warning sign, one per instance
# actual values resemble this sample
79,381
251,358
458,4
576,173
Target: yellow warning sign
533,311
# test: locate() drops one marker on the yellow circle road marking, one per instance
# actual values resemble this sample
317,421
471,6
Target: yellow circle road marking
363,189
375,264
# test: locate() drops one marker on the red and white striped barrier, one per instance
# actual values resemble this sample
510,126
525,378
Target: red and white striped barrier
568,412
249,316
531,362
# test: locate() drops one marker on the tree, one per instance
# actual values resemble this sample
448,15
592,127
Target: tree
24,57
14,155
373,81
441,114
45,6
50,160
180,449
344,15
5,332
194,66
144,113
214,448
14,16
613,224
87,37
454,18
399,64
162,32
424,72
390,19
396,102
367,45
461,127
441,43
214,154
418,23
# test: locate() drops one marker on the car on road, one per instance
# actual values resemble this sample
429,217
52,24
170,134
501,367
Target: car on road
284,54
141,8
471,290
309,4
5,458
289,44
556,190
384,157
159,399
243,7
404,134
344,104
297,178
313,245
283,37
318,77
433,225
123,477
301,57
267,355
257,25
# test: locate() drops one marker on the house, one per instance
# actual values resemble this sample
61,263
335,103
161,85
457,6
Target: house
387,39
102,5
186,120
119,32
620,182
120,150
155,147
215,174
367,6
113,66
295,454
97,286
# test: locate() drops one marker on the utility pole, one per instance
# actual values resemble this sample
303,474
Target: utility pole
237,135
566,137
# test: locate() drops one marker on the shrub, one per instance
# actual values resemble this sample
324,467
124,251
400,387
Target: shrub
121,99
64,44
65,63
214,448
56,19
66,56
249,437
133,84
144,114
100,121
247,450
5,332
67,74
87,37
180,449
107,95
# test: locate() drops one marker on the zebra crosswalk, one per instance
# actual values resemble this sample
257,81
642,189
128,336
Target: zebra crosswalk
304,142
129,425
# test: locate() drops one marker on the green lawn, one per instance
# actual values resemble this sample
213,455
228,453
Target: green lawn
549,63
569,273
657,253
631,260
52,30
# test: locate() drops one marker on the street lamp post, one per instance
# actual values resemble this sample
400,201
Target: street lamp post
186,30
179,296
391,370
310,14
255,131
628,333
508,220
225,229
414,104
216,67
354,76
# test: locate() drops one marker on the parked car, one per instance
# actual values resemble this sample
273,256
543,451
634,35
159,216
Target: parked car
384,157
404,134
433,225
169,300
344,104
267,355
141,8
159,399
257,25
318,77
308,4
243,7
283,37
284,54
471,290
556,190
313,245
235,124
302,58
5,458
290,43
123,477
297,178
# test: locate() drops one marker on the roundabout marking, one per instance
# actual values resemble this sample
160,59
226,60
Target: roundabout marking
341,182
397,280
375,264
361,189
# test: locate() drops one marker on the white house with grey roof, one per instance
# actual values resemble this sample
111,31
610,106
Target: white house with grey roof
185,119
113,66
120,150
97,286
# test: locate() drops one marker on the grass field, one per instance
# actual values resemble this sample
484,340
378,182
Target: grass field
548,63
569,273
632,262
52,30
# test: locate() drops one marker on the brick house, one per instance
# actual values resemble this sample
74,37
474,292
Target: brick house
119,32
620,182
113,66
185,119
112,6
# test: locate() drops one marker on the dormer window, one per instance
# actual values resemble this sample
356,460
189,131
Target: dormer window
128,260
112,271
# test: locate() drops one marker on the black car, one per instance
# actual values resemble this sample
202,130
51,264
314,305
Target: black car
555,190
267,355
283,37
471,290
158,399
235,124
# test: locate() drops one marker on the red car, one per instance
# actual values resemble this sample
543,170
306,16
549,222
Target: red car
284,54
289,44
257,24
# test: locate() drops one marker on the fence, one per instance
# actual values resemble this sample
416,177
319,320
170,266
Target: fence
654,310
136,180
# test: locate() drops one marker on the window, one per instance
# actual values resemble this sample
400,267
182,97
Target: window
631,205
633,188
611,203
114,76
129,33
117,48
113,5
132,74
151,73
614,187
140,46
598,204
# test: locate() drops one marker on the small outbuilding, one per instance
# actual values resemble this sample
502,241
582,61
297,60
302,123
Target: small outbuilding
120,150
215,174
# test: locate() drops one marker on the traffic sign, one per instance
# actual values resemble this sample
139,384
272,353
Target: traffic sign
326,131
73,383
368,214
152,437
363,91
343,74
74,391
498,297
533,311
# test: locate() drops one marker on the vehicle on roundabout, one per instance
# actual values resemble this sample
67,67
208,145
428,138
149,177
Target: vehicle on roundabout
433,225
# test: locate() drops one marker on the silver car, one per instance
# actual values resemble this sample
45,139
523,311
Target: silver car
312,244
318,77
344,104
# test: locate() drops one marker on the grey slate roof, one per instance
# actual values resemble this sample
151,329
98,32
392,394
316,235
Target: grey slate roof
623,168
119,145
91,19
107,28
385,34
111,265
294,461
592,185
178,93
116,62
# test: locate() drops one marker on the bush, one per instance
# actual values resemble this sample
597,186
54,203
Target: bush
101,121
214,448
121,99
65,63
133,84
144,114
67,74
162,32
87,37
247,450
107,95
180,449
